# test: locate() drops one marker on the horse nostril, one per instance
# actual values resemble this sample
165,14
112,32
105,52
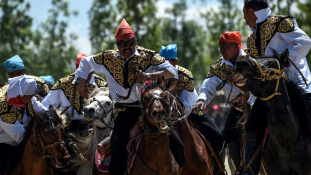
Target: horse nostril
158,113
60,160
89,110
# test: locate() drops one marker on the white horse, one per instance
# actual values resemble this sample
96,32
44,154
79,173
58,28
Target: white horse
98,112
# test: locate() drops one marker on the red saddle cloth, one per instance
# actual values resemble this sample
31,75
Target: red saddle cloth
102,162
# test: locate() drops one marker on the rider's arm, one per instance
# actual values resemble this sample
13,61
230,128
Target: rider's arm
188,99
208,89
14,131
87,66
37,106
299,42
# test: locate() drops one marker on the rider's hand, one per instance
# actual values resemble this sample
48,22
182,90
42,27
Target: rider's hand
141,76
82,88
198,107
101,149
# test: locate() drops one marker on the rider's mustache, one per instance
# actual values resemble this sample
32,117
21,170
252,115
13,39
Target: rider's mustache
129,49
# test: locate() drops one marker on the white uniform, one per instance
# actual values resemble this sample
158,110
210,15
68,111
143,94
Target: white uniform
215,77
281,33
116,69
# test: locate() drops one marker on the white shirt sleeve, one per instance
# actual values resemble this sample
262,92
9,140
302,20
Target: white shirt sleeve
54,98
299,41
88,65
166,65
208,89
188,99
15,131
37,106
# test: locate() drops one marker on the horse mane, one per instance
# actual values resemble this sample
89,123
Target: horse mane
300,105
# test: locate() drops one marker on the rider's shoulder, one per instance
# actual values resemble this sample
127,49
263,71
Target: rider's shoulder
185,72
100,82
63,82
285,24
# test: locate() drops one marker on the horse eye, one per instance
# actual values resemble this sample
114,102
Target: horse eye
45,134
107,103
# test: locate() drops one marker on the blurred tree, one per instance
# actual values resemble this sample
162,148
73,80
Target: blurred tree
103,25
228,17
303,17
54,51
15,27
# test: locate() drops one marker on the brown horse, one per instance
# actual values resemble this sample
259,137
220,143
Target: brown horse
153,156
42,146
199,157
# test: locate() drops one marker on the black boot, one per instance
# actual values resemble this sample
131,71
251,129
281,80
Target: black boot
222,157
234,151
251,144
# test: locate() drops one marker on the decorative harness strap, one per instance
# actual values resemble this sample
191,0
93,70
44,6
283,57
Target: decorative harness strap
266,75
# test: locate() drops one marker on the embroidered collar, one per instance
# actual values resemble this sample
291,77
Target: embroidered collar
262,15
135,53
227,62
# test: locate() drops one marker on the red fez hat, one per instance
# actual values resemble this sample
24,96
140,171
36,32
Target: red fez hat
124,31
80,56
231,37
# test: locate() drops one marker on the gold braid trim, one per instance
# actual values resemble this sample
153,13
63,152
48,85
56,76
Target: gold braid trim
267,31
116,65
8,113
41,84
287,25
251,46
100,82
65,84
185,81
222,71
117,110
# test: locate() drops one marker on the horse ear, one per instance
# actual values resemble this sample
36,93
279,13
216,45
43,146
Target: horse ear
283,58
172,88
51,108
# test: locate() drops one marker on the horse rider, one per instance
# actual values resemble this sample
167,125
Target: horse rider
15,113
219,77
116,65
187,94
15,68
279,33
65,94
49,80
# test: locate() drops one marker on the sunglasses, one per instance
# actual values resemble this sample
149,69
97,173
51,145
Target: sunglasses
129,43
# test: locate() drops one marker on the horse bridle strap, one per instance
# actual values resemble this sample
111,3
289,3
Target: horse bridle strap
266,75
44,147
104,114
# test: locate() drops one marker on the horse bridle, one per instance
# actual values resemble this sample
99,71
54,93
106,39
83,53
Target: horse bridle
266,75
44,147
104,114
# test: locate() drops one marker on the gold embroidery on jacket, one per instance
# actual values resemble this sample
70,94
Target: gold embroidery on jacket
286,25
185,81
116,65
251,46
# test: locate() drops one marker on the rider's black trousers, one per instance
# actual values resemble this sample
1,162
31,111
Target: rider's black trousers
209,130
232,132
124,122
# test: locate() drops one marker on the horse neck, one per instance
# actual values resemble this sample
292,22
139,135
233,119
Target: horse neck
282,122
32,161
155,152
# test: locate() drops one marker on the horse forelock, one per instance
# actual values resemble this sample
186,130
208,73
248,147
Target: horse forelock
102,91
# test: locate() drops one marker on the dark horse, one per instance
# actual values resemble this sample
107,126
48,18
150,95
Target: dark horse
42,142
287,149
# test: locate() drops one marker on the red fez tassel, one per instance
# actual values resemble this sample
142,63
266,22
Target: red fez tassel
124,31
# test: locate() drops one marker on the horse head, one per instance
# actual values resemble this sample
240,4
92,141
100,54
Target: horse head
48,137
97,108
261,76
156,106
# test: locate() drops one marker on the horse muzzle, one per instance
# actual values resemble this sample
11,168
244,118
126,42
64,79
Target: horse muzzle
158,116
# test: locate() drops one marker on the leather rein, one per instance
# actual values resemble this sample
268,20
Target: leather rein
36,134
266,75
